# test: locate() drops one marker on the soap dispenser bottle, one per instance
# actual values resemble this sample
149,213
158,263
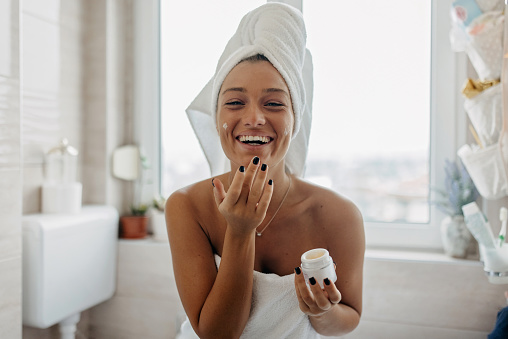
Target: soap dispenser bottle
61,193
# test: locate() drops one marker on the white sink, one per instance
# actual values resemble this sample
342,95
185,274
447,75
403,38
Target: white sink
69,265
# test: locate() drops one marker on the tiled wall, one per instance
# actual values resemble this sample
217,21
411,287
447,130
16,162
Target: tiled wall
52,87
418,299
10,171
146,303
75,85
52,104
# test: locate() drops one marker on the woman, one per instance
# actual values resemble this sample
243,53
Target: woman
236,240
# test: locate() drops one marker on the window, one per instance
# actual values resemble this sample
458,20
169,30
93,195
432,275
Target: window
372,105
188,63
384,116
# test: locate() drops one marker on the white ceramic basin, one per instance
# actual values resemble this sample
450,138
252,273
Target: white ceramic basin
69,264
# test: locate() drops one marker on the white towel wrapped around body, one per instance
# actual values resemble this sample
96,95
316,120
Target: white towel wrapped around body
276,31
274,314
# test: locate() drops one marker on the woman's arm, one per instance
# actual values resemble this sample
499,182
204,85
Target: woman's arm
217,303
336,310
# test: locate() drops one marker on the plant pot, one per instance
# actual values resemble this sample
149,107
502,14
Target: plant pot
455,236
133,227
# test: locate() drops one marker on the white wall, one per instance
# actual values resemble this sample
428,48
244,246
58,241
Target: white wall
76,84
10,171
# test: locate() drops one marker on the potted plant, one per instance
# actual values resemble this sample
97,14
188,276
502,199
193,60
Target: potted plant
459,190
135,225
157,219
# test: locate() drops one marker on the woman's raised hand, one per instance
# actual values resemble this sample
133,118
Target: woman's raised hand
245,204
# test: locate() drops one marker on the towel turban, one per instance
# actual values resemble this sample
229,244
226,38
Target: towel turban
276,31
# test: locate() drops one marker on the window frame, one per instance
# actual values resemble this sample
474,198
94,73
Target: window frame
448,119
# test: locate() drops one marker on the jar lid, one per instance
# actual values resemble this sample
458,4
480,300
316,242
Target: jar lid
64,149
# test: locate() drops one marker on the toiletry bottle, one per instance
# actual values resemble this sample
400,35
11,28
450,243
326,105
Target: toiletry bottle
318,263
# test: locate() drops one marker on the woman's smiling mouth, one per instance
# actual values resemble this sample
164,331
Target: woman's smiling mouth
254,140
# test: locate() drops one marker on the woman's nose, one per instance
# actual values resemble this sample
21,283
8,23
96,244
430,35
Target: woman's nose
254,117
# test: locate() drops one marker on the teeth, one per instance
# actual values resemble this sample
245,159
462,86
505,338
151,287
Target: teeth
252,138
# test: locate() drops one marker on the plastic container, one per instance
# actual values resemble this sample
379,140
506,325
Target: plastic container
61,193
318,263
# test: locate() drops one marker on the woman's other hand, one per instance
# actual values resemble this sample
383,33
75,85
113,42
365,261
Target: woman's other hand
315,301
245,204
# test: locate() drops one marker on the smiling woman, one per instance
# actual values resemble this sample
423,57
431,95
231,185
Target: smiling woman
258,106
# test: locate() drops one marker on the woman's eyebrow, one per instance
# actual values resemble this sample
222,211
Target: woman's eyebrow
266,90
234,89
271,90
275,90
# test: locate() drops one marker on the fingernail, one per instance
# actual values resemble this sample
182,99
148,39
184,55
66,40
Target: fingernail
327,281
312,281
263,167
297,270
270,182
242,169
255,161
212,182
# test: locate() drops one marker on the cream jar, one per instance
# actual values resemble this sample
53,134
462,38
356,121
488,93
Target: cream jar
318,263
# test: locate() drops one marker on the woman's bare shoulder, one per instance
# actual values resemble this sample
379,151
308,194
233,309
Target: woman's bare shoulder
191,192
335,213
191,198
327,201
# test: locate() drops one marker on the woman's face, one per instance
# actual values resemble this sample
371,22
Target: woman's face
255,114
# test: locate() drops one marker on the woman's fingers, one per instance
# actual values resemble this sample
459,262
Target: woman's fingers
314,300
321,299
250,174
302,292
258,185
331,290
235,189
264,202
219,193
246,201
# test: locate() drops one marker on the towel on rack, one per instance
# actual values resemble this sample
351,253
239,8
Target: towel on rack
276,31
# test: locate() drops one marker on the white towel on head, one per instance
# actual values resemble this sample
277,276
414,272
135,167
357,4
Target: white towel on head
277,31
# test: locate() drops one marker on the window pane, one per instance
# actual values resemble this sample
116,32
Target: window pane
193,36
371,111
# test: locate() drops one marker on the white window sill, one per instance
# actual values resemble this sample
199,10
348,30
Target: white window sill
417,256
373,254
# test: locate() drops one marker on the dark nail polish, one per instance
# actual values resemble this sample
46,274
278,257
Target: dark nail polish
263,167
212,182
242,169
255,161
327,281
312,281
270,182
297,270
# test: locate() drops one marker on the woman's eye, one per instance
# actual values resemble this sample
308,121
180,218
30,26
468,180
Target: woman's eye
234,103
274,104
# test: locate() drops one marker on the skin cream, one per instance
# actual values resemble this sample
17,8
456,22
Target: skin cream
318,263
